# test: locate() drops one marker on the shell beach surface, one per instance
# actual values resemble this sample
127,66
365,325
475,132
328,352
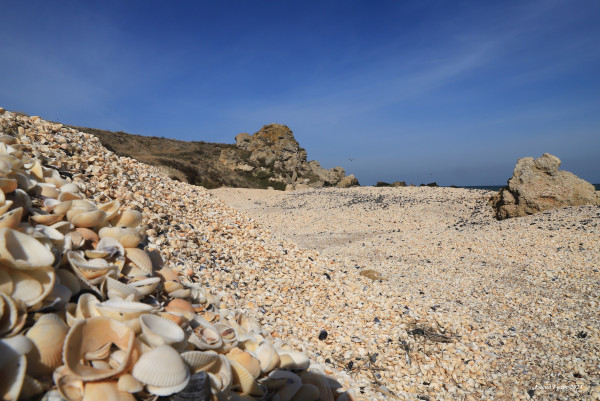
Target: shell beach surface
441,301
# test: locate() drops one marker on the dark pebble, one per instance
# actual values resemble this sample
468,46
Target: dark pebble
322,335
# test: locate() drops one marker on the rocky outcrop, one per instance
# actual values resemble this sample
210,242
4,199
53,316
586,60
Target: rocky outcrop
348,181
279,156
538,185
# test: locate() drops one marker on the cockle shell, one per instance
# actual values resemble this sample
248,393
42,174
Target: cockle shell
245,380
307,392
204,335
160,331
128,237
129,384
228,334
91,272
162,370
7,185
12,218
106,391
220,375
293,360
200,360
124,311
111,208
129,218
112,246
251,364
46,219
140,259
145,286
21,251
181,306
12,371
115,289
32,286
89,336
6,282
13,315
267,356
320,382
70,187
89,219
48,335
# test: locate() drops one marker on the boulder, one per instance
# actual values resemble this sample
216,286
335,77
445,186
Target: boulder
399,184
275,149
383,184
538,185
348,181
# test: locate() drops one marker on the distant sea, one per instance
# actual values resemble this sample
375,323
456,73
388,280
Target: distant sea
497,187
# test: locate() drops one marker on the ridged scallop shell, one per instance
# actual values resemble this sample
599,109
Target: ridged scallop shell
162,370
86,306
204,335
267,356
251,364
14,315
245,380
220,375
200,360
11,219
48,335
90,272
129,218
90,335
117,290
105,391
140,259
21,251
160,331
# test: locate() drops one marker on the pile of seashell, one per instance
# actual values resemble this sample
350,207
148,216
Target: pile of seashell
88,313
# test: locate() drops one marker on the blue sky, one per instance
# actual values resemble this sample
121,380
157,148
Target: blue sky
417,91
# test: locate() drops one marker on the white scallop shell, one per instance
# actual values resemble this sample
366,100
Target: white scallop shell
162,370
160,331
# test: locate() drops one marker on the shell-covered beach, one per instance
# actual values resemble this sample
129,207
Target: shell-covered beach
393,293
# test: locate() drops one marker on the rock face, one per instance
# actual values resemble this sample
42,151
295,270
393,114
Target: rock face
281,157
538,185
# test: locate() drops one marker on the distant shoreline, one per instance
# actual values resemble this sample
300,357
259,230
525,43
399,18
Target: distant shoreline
497,187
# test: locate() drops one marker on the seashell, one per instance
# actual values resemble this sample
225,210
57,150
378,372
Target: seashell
21,199
251,364
220,375
197,389
86,306
128,237
6,284
12,372
111,208
129,218
21,251
11,219
99,354
175,317
145,286
90,335
160,331
14,315
250,324
171,286
71,388
88,235
106,391
69,196
200,360
112,246
129,384
57,298
267,356
284,382
47,190
245,380
46,218
320,382
140,259
91,272
25,182
37,171
32,286
69,280
168,274
118,290
307,392
31,388
228,334
19,343
89,219
73,240
7,185
78,206
181,306
162,370
181,293
62,207
204,335
4,206
49,232
48,335
123,311
293,360
96,254
69,187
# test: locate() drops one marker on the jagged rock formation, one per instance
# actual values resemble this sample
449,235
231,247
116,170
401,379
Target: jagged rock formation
538,185
270,158
276,150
